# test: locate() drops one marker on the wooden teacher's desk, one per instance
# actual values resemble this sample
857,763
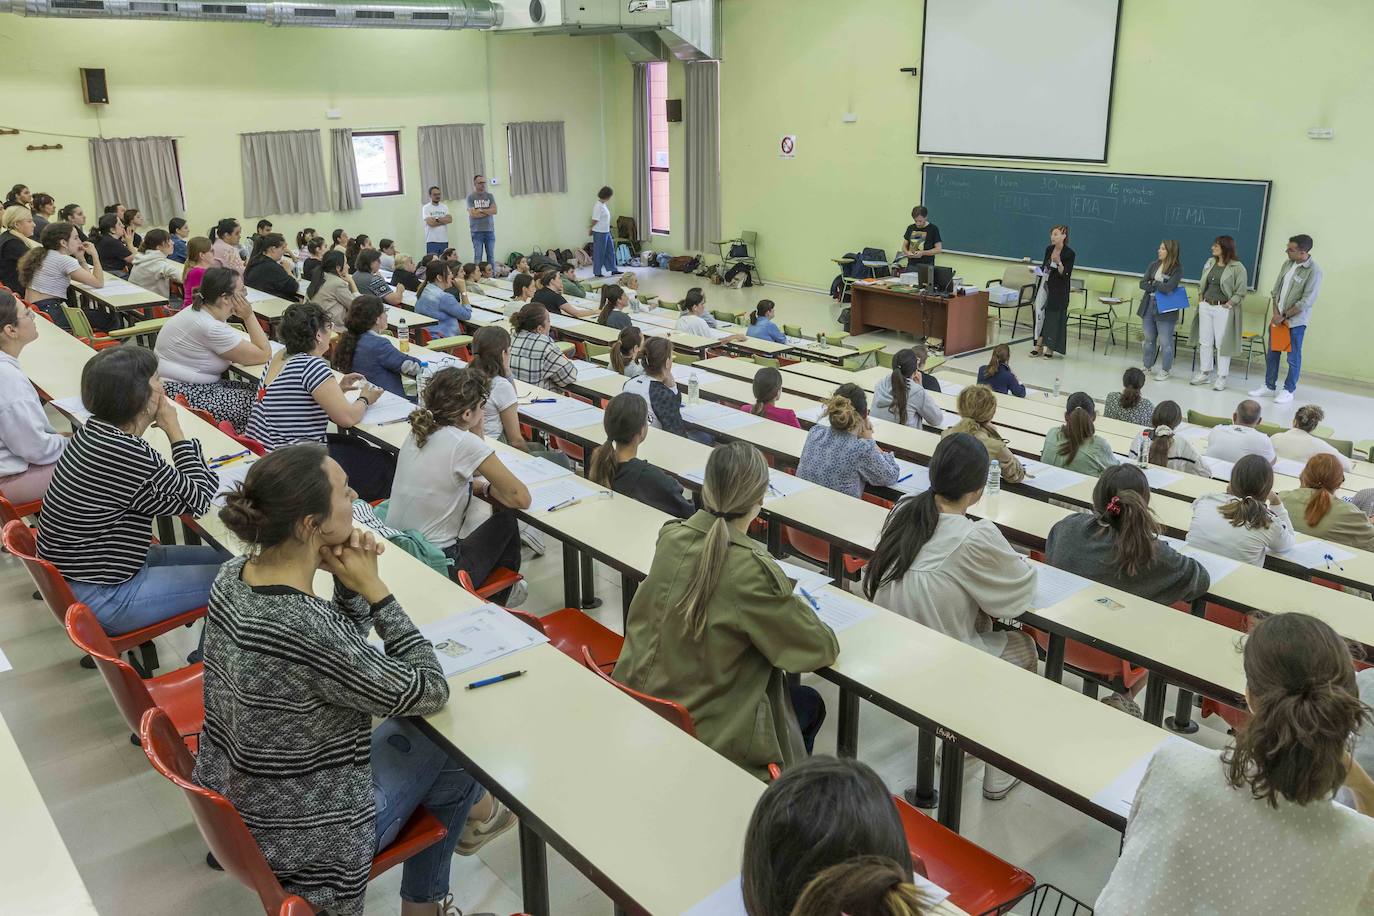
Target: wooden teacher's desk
960,321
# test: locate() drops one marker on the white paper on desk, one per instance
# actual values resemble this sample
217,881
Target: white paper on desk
651,329
1159,477
445,361
707,412
117,286
1053,585
389,408
1049,479
468,640
1119,794
811,414
683,374
556,491
838,611
277,346
912,478
732,420
808,579
531,470
256,295
781,485
1217,566
230,476
408,297
73,407
586,371
949,419
951,388
574,416
1313,553
1289,466
560,320
1221,470
4,663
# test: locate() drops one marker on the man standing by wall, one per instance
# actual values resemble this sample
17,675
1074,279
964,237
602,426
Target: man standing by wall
1294,293
436,218
482,220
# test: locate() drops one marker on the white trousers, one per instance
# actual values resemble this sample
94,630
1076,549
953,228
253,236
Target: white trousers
1214,323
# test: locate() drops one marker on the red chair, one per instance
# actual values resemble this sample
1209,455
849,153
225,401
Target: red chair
178,693
200,412
817,549
569,631
500,579
10,512
230,841
253,445
295,906
19,541
675,713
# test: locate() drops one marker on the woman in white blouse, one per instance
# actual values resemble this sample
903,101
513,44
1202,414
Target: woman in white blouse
1298,444
1255,830
29,446
1246,522
942,569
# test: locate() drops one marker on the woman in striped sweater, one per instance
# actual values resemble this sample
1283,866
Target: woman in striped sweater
111,483
292,686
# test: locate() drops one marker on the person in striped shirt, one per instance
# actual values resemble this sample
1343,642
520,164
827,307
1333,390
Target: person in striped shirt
111,483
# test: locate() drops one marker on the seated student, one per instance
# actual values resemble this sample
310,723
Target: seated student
761,326
180,231
303,240
997,374
109,237
928,381
133,221
1316,509
940,568
369,281
1246,522
550,295
471,276
73,214
357,245
199,259
110,484
386,249
332,289
226,235
15,242
310,257
44,209
500,413
1299,443
290,681
614,302
265,272
571,287
1127,404
625,352
1076,445
485,271
522,291
197,346
901,398
1165,447
767,389
840,453
435,301
629,281
715,626
1117,543
615,465
154,269
868,885
658,387
404,275
1232,441
1269,792
340,240
534,357
263,228
29,446
47,272
977,406
695,320
364,349
443,465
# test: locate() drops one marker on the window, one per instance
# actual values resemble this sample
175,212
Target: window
658,147
378,154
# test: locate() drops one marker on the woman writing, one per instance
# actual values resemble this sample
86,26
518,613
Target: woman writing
715,626
841,454
332,288
1127,405
364,349
625,352
265,272
1317,510
29,446
46,272
1161,277
767,389
761,326
614,302
997,374
1052,298
1248,521
615,463
977,406
658,388
901,398
1076,445
1220,317
1162,447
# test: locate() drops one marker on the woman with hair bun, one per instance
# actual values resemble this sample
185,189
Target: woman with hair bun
1301,442
977,405
1318,511
841,454
1127,404
1269,793
1165,448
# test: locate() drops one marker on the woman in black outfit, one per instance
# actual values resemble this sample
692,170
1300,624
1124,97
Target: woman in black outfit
1052,299
264,271
616,463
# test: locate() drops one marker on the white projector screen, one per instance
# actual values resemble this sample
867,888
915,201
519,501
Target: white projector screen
1017,79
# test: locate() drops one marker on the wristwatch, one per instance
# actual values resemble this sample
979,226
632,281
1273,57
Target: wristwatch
363,398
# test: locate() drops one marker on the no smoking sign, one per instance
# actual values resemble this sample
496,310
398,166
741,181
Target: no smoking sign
787,147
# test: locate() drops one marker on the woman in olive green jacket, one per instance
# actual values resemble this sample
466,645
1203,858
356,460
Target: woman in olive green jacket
1220,317
715,626
1316,510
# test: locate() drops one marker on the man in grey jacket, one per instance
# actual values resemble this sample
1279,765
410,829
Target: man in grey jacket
1295,291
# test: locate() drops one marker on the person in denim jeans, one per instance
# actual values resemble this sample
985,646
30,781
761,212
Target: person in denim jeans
1162,276
1294,294
603,252
482,220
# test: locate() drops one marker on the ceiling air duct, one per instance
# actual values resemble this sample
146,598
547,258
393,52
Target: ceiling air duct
454,14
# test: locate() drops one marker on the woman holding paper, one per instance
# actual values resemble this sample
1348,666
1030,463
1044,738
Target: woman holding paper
1159,284
1052,298
1220,319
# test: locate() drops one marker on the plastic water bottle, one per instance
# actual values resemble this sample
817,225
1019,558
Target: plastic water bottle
1055,391
994,478
820,338
421,379
693,388
1143,459
403,334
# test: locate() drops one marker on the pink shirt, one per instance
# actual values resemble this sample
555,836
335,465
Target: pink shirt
776,414
192,282
227,255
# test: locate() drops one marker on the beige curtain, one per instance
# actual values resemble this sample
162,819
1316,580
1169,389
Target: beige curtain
640,124
538,158
139,172
702,104
346,193
450,154
283,172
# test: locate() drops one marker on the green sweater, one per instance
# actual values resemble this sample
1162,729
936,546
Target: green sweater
1093,457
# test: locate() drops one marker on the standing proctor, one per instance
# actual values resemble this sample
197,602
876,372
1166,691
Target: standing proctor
1052,297
436,218
482,220
603,253
1292,298
921,241
1161,277
1220,316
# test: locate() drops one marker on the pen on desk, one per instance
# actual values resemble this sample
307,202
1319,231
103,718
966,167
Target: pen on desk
572,501
815,605
1330,559
390,422
228,456
542,401
494,680
903,477
216,465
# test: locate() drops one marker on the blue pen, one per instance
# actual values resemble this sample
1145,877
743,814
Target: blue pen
903,477
494,680
1330,559
214,461
815,605
544,401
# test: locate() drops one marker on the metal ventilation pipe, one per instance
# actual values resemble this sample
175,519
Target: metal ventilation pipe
454,14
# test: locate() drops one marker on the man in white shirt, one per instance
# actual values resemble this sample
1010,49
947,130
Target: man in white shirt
1233,441
436,218
603,252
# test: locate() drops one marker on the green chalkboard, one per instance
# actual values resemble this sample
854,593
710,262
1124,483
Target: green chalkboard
1115,221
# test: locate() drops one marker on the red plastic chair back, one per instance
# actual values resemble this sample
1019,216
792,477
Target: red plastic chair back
200,412
253,445
675,713
296,906
56,592
128,689
977,880
10,512
224,831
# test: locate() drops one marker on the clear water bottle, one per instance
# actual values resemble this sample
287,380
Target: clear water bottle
693,388
1055,391
994,478
1143,459
421,380
820,338
403,335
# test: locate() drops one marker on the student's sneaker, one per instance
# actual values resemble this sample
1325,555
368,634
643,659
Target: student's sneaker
532,539
477,834
1125,704
1219,384
1262,392
1283,397
1201,378
518,593
997,784
1161,376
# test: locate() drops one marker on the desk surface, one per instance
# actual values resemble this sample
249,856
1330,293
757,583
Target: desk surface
119,294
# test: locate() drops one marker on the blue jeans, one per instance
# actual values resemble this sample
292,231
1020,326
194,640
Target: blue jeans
482,240
1271,363
603,254
409,770
435,247
1159,337
174,579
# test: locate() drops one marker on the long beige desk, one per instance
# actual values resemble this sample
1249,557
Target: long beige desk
118,295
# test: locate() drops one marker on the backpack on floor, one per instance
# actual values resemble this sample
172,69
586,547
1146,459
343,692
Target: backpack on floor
685,263
512,258
664,259
736,272
622,255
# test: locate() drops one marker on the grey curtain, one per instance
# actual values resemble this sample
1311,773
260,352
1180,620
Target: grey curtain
640,125
450,154
702,114
139,172
283,172
346,193
538,158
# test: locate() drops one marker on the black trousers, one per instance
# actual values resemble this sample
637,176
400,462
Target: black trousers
370,470
494,543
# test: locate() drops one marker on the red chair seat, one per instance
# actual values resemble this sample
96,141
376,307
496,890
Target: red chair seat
422,831
977,880
11,512
671,711
499,580
253,445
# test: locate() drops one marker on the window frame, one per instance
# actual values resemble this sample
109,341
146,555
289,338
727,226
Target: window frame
666,169
400,170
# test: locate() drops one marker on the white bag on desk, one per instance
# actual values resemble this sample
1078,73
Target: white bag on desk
1002,295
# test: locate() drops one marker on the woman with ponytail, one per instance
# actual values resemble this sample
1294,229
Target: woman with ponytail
437,301
1317,510
1127,405
901,398
1117,543
761,326
109,238
1270,793
364,348
658,387
841,454
615,463
1248,521
625,352
1076,445
940,568
614,302
977,406
767,390
225,236
716,627
1163,447
997,374
500,411
265,271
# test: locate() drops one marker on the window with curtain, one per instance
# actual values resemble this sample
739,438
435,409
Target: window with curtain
537,157
283,172
142,172
378,154
659,194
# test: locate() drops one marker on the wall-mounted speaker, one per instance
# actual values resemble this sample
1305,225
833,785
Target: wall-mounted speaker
93,87
673,109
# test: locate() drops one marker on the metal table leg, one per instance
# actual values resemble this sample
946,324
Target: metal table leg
847,738
534,872
951,785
